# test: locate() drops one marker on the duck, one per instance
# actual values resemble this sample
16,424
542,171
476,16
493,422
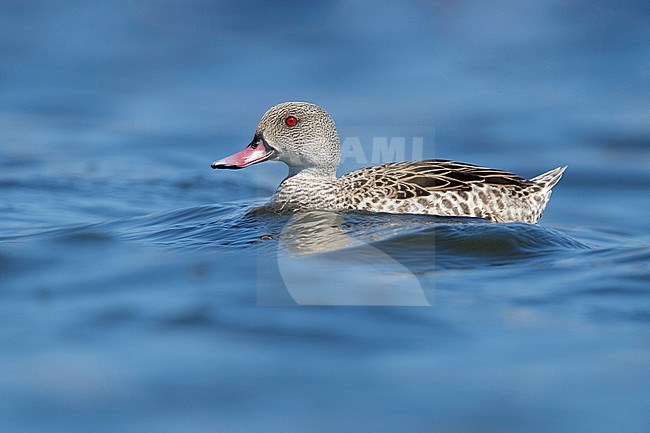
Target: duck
304,137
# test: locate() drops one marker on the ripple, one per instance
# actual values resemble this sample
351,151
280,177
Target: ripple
245,224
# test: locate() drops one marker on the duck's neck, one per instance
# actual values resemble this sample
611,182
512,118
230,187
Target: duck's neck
312,172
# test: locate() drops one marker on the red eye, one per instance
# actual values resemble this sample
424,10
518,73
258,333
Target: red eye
291,121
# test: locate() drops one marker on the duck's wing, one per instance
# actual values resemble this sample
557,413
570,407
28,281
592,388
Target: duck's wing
401,180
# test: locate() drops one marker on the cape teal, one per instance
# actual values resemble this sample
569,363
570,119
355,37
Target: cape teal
304,137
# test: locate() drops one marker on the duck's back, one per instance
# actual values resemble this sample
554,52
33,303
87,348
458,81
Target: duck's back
447,188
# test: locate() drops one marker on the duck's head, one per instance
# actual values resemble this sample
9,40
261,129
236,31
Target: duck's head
300,134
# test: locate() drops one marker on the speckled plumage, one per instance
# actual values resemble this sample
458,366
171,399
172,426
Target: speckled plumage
434,187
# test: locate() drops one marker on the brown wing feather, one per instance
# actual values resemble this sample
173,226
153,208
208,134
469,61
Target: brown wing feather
401,180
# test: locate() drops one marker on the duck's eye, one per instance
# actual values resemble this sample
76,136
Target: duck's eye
291,121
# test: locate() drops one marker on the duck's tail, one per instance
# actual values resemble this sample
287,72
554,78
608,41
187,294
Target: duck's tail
546,181
550,178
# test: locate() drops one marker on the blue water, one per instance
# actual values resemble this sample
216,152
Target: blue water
142,291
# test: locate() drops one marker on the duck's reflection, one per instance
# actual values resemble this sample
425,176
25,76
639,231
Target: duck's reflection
314,232
321,262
